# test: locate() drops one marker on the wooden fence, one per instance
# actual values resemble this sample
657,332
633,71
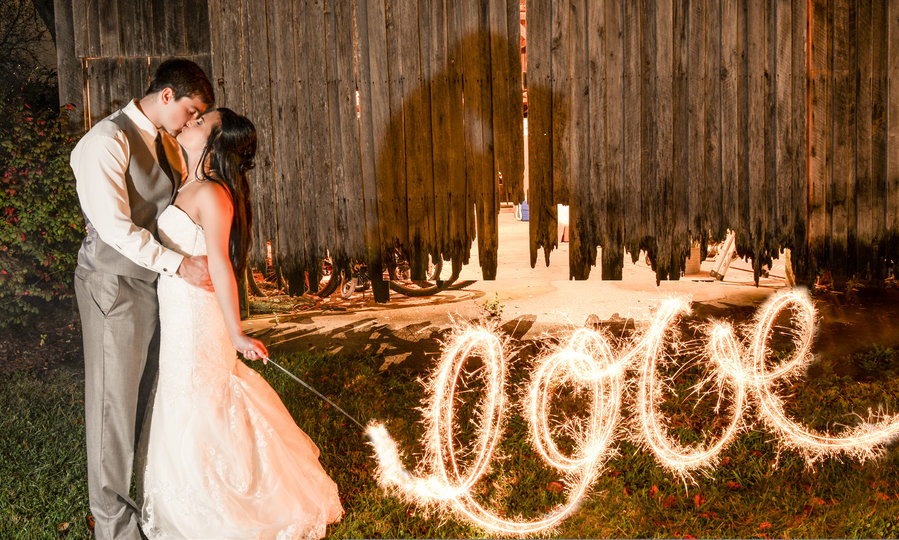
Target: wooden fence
853,218
385,124
107,50
666,122
403,165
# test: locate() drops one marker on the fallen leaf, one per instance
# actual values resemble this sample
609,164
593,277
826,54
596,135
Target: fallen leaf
764,525
555,487
726,460
819,501
734,485
882,496
89,521
653,490
670,501
698,499
689,537
63,527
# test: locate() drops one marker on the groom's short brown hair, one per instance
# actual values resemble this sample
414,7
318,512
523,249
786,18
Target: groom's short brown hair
185,78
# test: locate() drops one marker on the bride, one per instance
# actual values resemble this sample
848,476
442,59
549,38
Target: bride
224,458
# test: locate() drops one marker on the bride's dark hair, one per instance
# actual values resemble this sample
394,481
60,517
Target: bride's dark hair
229,153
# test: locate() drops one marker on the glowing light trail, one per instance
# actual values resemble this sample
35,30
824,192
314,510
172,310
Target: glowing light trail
586,361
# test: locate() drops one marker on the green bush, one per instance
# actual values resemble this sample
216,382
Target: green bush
41,225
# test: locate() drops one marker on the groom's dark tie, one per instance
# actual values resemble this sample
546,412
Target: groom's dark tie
163,159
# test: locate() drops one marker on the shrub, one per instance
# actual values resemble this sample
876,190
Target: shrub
41,225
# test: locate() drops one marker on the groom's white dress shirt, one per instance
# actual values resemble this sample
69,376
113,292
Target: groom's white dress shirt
100,162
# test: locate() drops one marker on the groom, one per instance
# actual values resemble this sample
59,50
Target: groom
127,171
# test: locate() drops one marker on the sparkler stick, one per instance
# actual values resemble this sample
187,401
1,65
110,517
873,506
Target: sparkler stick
314,391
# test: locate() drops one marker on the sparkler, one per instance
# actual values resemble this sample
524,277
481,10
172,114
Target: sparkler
586,361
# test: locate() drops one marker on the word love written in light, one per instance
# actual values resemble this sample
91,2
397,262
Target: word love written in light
587,361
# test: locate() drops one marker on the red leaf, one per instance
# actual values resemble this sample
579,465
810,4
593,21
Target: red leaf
764,525
555,487
670,501
653,490
734,485
698,499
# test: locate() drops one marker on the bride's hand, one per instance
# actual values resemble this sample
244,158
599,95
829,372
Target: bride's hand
251,349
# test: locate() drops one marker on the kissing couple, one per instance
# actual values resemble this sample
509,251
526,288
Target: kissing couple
162,184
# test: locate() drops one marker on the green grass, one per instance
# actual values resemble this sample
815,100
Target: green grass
757,491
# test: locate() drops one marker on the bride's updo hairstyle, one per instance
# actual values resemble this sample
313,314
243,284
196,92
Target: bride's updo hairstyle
229,154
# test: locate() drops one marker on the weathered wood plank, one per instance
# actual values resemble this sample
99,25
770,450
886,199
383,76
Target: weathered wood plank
714,180
71,77
503,106
819,174
441,108
743,219
79,25
92,22
169,32
649,118
663,234
696,122
612,106
99,76
135,28
482,180
321,165
371,50
756,157
842,188
287,250
258,108
136,76
417,139
730,164
785,146
892,133
561,101
632,113
460,205
305,144
879,98
339,179
392,184
680,178
543,214
514,179
196,25
800,95
349,127
119,78
108,10
230,31
770,246
864,254
587,84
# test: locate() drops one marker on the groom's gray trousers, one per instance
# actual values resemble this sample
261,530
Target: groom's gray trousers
120,322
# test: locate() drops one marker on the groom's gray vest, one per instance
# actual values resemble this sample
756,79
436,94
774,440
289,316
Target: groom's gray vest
150,191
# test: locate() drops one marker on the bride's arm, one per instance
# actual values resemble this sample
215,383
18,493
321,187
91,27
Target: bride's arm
215,213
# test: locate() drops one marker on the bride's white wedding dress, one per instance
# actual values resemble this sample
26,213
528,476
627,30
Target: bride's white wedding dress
224,458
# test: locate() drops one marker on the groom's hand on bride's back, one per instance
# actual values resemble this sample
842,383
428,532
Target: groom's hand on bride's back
195,271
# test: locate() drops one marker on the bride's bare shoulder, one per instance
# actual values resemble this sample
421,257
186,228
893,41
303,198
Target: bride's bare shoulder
213,201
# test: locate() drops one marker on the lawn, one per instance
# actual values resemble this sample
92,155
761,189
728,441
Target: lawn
758,489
